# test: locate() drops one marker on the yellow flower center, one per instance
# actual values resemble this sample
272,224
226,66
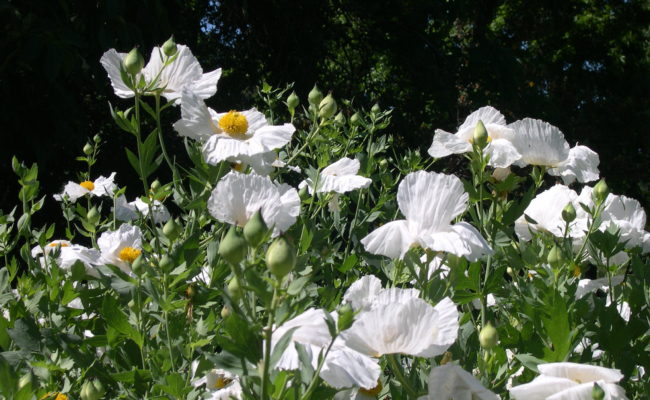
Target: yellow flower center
61,396
129,254
239,167
221,382
233,123
58,244
88,185
576,271
489,139
372,392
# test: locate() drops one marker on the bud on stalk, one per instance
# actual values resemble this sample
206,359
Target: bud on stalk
133,62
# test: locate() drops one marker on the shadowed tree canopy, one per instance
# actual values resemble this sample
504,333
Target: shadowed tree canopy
583,66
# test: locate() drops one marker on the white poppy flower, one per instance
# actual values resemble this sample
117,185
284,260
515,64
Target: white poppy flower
262,164
339,177
100,187
629,217
68,254
409,325
543,144
430,202
121,247
343,366
233,136
570,381
586,286
221,385
183,72
128,211
238,196
500,148
450,381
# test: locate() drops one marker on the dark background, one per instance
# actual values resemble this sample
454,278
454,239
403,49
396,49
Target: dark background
583,66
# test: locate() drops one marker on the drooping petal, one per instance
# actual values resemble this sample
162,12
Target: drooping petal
582,164
289,209
112,63
123,210
539,142
206,86
344,166
541,388
104,186
580,372
502,153
271,137
342,184
183,71
196,119
584,392
361,293
391,240
446,329
219,148
160,212
345,367
546,210
461,239
73,191
452,382
445,144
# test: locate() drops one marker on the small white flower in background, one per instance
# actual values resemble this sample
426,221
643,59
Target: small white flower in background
128,211
491,302
238,196
339,177
220,384
500,148
100,187
430,202
121,247
450,381
586,286
343,367
262,164
541,143
367,292
627,215
570,381
68,254
183,72
233,136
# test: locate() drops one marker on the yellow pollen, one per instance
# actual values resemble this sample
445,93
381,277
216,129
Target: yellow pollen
61,396
221,382
372,392
58,244
88,185
239,167
129,254
576,271
233,123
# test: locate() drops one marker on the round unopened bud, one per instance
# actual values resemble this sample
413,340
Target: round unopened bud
169,47
97,139
327,107
190,292
138,265
234,290
340,118
315,96
569,213
480,137
280,257
88,149
255,229
555,257
346,317
303,192
375,109
92,390
597,393
293,101
172,229
383,162
133,62
225,312
166,263
510,271
355,119
600,192
93,215
233,247
155,185
488,337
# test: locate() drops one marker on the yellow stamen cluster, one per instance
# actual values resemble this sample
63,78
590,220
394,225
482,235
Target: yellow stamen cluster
221,382
234,123
88,185
576,271
372,392
54,396
58,244
129,254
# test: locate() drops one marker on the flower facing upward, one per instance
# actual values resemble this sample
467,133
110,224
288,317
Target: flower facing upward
121,247
233,123
430,202
100,187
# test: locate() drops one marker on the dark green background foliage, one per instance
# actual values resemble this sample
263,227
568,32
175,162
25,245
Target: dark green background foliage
583,66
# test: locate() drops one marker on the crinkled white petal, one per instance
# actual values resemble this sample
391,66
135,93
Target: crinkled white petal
391,240
452,382
361,293
345,367
289,209
546,210
582,164
206,86
487,115
73,191
541,388
339,177
502,153
539,142
214,383
344,166
445,143
112,63
123,210
104,186
110,244
584,392
51,246
586,286
196,118
580,372
160,212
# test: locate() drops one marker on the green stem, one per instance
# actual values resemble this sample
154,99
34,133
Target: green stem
138,137
166,317
160,134
268,335
397,370
316,378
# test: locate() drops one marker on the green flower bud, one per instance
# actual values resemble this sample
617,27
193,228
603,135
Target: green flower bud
138,265
569,213
480,137
488,337
234,290
225,312
597,393
554,257
255,229
293,101
340,118
303,193
233,247
355,119
92,390
280,257
155,185
172,229
315,96
375,109
166,263
190,292
93,215
97,139
25,380
510,271
600,191
346,317
133,62
383,162
327,107
88,149
169,47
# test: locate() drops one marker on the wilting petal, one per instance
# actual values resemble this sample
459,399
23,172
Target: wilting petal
445,143
112,63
